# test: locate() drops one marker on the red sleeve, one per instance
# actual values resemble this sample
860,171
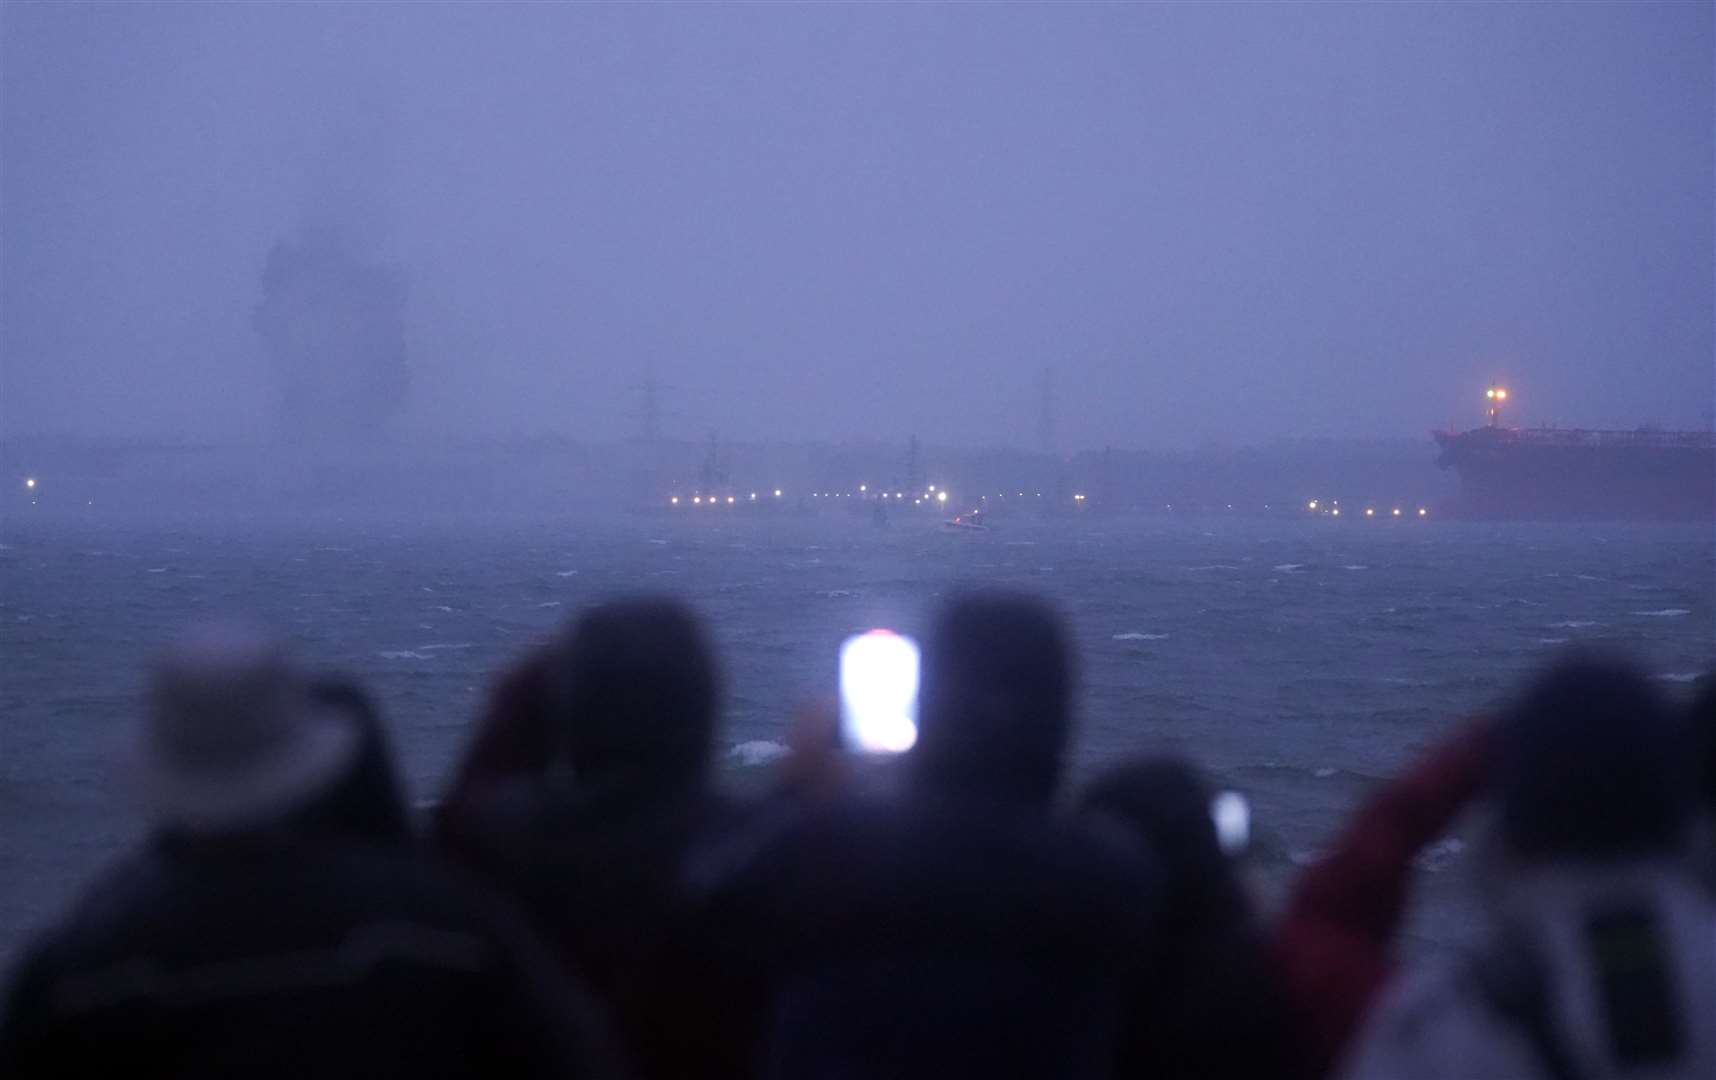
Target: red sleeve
1335,939
515,738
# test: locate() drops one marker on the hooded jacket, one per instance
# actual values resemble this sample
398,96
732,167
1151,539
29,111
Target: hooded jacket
1595,973
958,928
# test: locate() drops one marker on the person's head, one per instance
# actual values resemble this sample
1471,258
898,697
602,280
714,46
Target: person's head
639,693
368,800
1590,766
234,738
1166,802
995,700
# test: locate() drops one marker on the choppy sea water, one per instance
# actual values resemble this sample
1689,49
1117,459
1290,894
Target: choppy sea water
1299,661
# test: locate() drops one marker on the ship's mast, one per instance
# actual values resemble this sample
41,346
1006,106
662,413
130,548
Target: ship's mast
1496,396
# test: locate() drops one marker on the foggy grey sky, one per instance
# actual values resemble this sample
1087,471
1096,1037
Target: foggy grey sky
1215,222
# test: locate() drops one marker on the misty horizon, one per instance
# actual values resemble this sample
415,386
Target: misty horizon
1212,226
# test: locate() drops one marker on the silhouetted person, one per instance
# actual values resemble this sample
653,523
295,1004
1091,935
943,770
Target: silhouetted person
1221,1010
1599,963
593,841
959,928
251,937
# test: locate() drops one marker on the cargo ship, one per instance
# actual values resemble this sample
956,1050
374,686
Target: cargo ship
1544,473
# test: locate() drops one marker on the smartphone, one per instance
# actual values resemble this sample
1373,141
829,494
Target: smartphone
879,692
1231,813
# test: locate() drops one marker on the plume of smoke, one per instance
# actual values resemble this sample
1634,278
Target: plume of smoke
332,325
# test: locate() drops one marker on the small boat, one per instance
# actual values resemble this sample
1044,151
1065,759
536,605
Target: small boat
972,521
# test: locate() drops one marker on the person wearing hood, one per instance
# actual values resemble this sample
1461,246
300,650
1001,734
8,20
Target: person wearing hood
589,827
273,924
1599,958
956,926
1222,1007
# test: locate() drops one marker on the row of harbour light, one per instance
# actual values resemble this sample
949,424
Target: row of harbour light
1334,509
934,495
715,500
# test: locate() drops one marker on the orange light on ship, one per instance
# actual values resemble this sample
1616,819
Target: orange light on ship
1397,511
674,500
1422,512
1370,511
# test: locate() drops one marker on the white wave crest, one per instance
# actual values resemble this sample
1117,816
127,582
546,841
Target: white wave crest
405,654
445,648
1552,641
1325,772
1290,567
757,752
549,603
1572,624
1665,613
1677,676
564,573
1355,566
1437,856
1136,635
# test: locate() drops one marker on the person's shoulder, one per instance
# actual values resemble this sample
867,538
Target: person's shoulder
130,892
